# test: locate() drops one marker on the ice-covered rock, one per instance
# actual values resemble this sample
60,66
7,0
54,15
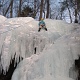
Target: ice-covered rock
55,62
2,19
46,54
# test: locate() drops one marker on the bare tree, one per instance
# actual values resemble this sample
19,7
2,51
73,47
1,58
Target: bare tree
20,4
69,10
35,2
41,9
75,12
11,3
48,7
11,11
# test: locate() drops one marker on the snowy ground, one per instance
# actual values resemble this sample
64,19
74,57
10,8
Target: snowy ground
56,49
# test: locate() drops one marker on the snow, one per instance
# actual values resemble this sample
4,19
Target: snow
2,18
56,49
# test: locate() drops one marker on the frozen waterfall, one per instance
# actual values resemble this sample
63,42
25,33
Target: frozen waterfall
46,55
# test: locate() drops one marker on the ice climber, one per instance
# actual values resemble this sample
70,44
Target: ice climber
42,25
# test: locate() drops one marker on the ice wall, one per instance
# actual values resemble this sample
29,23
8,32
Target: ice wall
54,63
2,19
19,37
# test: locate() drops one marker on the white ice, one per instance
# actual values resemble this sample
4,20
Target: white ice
56,49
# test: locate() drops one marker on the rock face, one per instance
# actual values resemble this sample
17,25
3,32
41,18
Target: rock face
46,55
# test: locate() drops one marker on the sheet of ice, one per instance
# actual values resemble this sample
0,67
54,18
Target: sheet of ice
54,63
2,19
20,37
